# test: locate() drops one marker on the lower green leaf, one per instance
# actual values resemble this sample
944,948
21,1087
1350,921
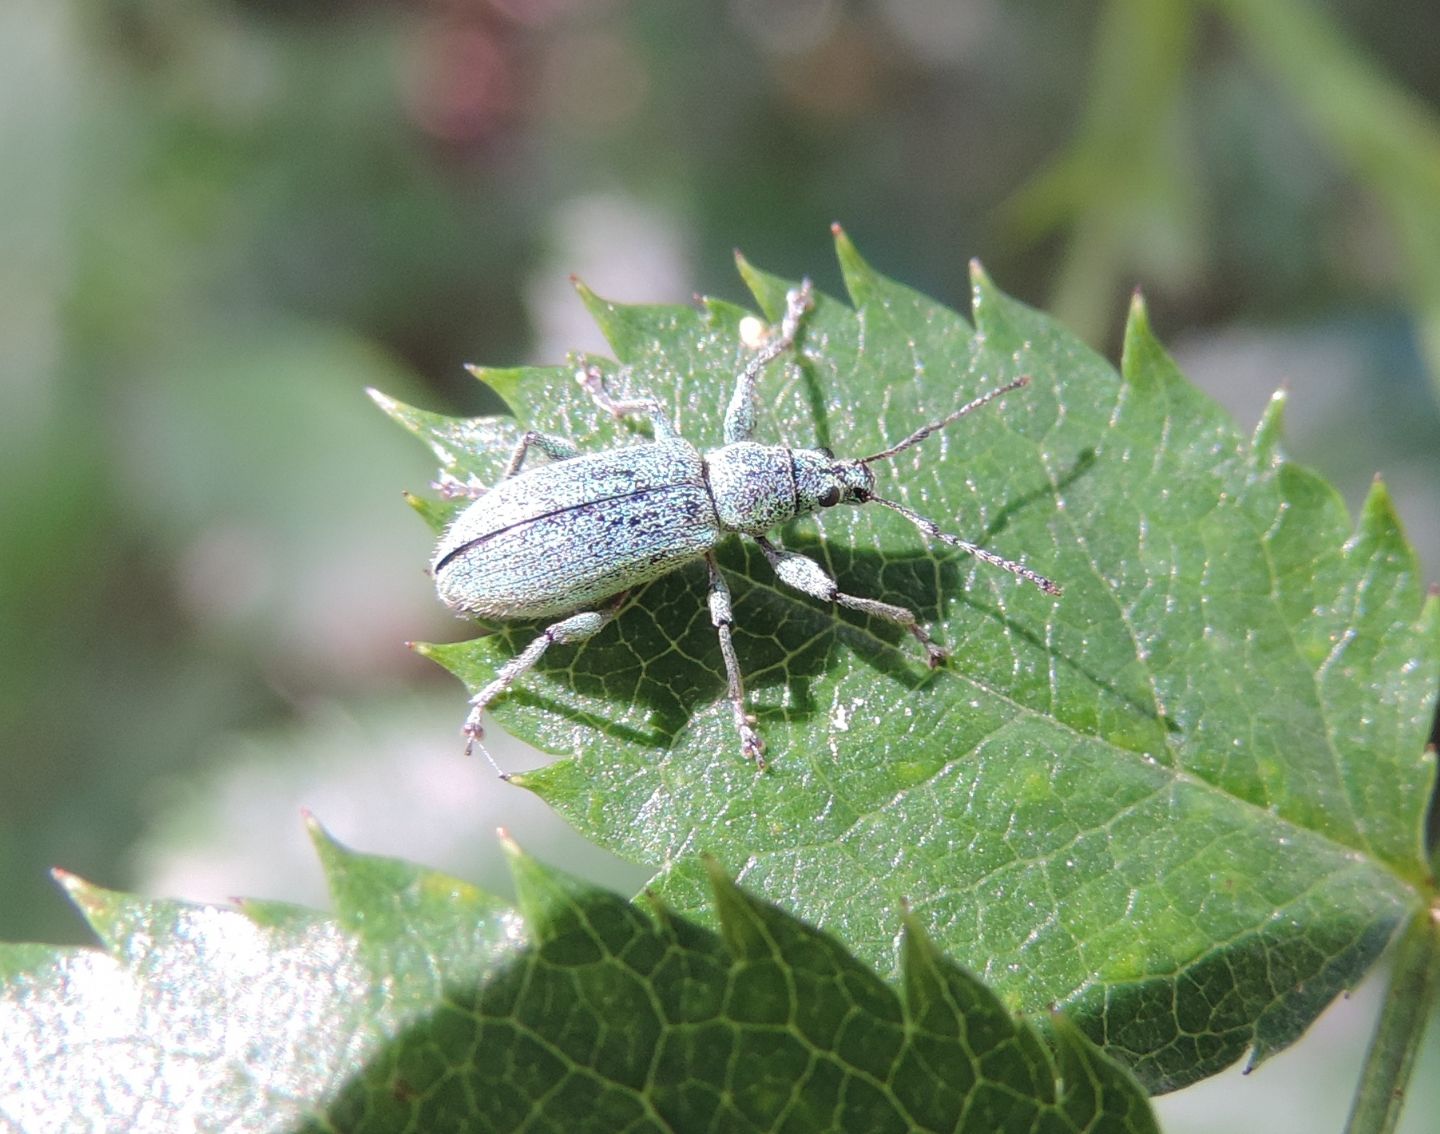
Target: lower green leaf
425,1005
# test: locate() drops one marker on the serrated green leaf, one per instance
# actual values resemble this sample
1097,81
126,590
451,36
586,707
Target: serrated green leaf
426,1005
477,446
1183,800
194,1017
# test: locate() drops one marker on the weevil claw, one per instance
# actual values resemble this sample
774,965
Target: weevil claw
935,655
591,380
475,738
752,745
448,486
473,732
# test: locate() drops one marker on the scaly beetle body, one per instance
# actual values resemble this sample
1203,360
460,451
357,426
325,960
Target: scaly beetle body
585,528
541,544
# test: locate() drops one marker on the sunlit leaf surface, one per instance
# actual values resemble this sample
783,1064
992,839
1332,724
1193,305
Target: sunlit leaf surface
1183,800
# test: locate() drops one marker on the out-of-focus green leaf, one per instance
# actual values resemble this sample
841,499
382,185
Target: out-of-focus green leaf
1389,138
1184,800
1125,189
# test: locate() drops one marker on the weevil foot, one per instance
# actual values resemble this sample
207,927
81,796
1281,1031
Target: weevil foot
798,300
752,745
475,738
935,655
448,486
473,730
473,733
592,381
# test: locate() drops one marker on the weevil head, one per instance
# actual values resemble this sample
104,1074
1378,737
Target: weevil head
822,481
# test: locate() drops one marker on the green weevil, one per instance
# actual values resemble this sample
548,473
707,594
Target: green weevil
571,538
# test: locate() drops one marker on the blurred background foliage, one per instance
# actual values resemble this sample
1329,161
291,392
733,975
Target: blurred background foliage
221,219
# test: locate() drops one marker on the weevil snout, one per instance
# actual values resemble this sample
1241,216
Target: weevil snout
821,481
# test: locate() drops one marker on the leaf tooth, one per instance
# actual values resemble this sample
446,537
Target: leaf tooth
408,417
662,912
1378,511
593,303
104,910
457,657
545,901
436,514
555,905
608,316
1378,532
861,280
924,986
741,922
979,278
919,962
274,914
336,860
473,662
110,913
944,998
505,380
1141,356
460,444
722,313
1092,1085
326,846
1270,430
1139,312
983,293
395,410
1004,323
768,290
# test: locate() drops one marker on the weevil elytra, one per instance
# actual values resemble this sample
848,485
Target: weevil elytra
569,539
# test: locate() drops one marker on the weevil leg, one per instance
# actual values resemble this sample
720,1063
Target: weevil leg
575,628
805,575
448,486
556,448
593,382
740,414
752,747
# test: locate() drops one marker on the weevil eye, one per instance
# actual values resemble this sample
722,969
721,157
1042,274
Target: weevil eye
827,452
830,497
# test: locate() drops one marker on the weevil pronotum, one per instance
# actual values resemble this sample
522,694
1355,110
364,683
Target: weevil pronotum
572,537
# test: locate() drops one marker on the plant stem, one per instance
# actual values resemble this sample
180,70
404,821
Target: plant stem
1410,1001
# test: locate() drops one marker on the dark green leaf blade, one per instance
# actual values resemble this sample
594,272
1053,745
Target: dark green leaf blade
1183,800
427,1005
614,1020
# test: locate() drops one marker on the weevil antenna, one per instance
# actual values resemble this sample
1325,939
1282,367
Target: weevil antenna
925,430
933,530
